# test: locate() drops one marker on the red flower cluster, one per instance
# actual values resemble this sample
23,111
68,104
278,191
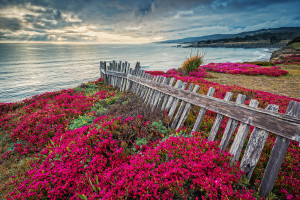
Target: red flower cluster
89,162
41,117
242,68
288,176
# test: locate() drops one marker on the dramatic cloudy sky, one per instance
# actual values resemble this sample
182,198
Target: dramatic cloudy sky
138,21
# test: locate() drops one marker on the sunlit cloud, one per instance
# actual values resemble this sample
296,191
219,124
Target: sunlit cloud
143,21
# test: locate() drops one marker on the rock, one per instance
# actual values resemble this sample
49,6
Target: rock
280,54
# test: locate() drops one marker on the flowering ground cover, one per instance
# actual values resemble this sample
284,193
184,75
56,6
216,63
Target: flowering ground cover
288,181
292,59
243,68
82,154
100,161
73,148
228,68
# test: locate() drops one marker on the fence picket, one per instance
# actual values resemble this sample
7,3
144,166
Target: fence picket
202,111
219,119
153,91
158,94
231,125
141,75
239,140
255,146
150,92
166,97
171,98
186,109
277,154
175,103
181,109
147,93
162,96
144,93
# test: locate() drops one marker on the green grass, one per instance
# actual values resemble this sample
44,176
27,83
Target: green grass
295,45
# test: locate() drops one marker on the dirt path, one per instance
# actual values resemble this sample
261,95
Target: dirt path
284,85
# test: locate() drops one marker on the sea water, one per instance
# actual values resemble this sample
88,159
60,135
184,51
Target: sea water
28,69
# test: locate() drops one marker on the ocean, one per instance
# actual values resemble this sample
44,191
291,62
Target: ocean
28,69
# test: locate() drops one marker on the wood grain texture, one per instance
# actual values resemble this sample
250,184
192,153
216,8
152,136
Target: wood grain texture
277,155
149,97
129,82
255,146
119,78
125,79
175,102
240,138
144,87
202,111
106,77
231,125
171,97
166,96
148,88
162,95
136,71
159,94
219,119
181,109
155,92
141,75
186,110
144,93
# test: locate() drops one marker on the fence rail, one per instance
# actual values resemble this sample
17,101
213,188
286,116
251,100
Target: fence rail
160,92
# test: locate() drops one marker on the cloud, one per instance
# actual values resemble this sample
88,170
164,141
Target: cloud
12,24
139,20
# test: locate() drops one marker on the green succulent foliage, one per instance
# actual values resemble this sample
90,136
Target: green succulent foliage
91,89
160,127
79,89
112,100
99,108
81,121
140,142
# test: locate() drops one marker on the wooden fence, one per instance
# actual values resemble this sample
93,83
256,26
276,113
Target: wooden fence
164,93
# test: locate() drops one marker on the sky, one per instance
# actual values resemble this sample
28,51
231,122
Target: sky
138,21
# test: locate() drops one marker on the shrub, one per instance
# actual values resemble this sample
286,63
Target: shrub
193,62
260,63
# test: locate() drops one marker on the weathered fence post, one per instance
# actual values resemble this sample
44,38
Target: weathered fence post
186,109
277,155
181,108
219,119
202,111
255,146
239,140
231,125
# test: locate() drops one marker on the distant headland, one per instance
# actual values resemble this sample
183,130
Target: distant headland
263,38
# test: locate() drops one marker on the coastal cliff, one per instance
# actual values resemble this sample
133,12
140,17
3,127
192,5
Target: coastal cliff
292,49
239,45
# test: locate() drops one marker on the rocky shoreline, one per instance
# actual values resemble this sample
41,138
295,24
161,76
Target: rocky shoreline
280,54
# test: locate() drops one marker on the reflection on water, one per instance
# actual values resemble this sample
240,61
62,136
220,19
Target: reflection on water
30,69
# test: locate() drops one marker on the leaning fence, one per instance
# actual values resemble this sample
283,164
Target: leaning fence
177,100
